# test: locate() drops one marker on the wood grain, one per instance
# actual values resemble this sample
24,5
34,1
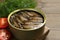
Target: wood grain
53,22
49,6
52,11
51,1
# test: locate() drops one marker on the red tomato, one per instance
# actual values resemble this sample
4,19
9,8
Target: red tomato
4,34
3,23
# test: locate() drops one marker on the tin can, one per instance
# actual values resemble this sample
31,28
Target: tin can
27,34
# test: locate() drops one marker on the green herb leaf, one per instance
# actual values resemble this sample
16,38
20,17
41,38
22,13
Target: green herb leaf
11,5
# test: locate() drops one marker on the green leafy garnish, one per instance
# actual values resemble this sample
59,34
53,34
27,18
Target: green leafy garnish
10,5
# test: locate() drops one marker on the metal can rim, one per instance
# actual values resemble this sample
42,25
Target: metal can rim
40,11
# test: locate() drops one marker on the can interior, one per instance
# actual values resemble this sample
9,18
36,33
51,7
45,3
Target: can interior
27,11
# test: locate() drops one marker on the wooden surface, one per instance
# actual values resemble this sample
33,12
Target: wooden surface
52,10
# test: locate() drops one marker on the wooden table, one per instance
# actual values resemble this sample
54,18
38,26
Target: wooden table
52,10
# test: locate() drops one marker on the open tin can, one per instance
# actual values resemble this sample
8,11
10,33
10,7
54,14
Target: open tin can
26,34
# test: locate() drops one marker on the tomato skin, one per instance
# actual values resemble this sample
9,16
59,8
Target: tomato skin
4,34
3,22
